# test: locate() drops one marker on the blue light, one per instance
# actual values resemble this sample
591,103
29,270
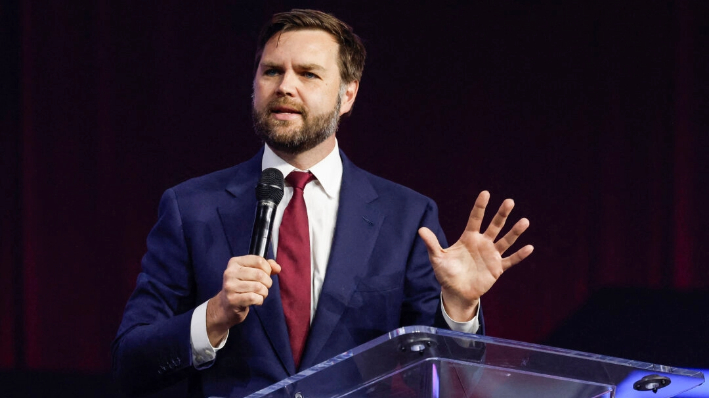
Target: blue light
625,388
701,391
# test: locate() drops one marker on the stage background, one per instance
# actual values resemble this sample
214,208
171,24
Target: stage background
592,116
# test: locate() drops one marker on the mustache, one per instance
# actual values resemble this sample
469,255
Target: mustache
283,101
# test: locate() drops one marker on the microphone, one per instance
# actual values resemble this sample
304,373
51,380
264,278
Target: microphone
269,193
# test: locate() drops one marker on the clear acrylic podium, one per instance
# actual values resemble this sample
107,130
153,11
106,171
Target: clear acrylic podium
425,362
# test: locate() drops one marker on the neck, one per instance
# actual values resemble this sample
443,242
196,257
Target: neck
309,158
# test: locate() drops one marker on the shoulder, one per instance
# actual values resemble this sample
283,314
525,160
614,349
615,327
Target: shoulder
214,181
382,189
217,188
404,209
246,173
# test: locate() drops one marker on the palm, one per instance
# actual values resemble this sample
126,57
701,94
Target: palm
470,267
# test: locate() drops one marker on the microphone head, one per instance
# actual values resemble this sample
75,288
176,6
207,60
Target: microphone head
270,186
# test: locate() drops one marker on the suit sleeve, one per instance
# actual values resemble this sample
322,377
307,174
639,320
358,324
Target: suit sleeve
422,305
152,348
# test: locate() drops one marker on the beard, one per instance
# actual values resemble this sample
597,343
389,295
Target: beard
284,136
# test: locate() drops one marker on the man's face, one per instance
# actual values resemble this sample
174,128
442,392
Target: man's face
298,96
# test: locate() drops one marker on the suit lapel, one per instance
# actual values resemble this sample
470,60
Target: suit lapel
237,218
358,224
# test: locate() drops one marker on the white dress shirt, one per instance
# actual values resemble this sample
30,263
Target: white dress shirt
322,198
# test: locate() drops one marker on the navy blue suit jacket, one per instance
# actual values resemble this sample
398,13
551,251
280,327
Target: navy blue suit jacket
378,278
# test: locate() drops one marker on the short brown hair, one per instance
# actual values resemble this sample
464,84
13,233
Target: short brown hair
351,49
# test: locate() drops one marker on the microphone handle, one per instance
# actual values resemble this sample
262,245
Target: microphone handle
261,234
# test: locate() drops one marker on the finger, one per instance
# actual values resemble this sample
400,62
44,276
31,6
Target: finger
518,256
275,267
241,287
244,300
234,274
234,287
251,261
241,294
431,241
500,218
511,237
252,275
476,215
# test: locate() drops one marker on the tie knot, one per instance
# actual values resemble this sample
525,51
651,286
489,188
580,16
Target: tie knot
299,179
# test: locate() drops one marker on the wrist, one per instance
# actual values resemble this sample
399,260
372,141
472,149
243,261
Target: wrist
459,309
217,328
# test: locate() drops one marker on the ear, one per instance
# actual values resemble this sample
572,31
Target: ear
348,98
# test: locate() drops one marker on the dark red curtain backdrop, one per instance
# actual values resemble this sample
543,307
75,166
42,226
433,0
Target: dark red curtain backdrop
593,116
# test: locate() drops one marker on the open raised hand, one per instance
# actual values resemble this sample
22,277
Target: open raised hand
470,267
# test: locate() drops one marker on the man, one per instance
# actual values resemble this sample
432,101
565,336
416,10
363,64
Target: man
234,323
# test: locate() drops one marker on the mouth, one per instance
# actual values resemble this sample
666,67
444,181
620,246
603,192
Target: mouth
285,112
285,109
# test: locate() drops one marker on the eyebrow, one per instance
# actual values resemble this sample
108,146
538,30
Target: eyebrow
269,65
310,67
305,67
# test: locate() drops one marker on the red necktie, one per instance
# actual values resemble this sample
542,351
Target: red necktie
294,258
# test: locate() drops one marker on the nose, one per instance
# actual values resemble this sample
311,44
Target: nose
287,87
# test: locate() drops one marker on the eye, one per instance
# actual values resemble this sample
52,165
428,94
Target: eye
310,75
271,72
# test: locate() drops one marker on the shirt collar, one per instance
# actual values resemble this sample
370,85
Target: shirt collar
328,171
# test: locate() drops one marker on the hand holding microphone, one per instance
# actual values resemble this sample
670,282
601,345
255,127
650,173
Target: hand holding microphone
247,278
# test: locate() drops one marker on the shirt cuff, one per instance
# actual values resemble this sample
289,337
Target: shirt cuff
203,354
471,326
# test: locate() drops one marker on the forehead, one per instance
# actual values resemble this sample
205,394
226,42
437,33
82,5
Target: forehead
305,46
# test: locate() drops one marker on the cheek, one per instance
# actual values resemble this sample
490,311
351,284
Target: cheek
260,99
261,89
323,100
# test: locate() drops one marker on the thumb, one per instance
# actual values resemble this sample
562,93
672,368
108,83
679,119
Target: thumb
431,241
275,267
